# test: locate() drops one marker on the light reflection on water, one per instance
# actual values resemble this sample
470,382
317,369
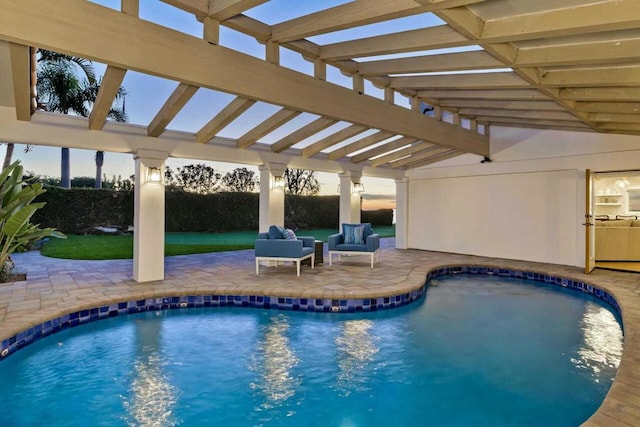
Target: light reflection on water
602,346
153,396
356,349
274,361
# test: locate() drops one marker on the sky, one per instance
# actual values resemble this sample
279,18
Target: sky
146,94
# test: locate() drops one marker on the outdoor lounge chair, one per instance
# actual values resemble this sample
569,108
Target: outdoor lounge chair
273,246
355,239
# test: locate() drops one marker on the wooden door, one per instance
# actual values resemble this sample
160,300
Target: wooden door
590,235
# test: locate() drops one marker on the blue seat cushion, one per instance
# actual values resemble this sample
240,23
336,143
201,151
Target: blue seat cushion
275,232
351,247
307,251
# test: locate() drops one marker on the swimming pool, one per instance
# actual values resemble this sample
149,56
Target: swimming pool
477,350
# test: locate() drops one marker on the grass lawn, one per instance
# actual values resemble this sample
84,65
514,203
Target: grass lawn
121,247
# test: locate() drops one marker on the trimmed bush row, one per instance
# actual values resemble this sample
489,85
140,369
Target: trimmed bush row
79,210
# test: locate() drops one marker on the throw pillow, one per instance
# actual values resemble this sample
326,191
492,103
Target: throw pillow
353,234
290,234
367,228
276,232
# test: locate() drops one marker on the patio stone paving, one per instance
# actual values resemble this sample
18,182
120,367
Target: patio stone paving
55,287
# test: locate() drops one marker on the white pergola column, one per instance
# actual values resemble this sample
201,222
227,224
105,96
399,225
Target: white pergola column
349,201
148,218
402,213
271,199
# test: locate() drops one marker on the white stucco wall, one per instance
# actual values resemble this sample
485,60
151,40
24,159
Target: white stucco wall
527,204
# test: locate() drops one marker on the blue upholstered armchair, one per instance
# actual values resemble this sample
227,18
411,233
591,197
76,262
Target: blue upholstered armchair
355,239
274,246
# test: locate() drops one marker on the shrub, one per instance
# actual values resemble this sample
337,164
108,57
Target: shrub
378,217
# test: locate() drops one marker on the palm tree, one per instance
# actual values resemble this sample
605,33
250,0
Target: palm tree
115,113
60,89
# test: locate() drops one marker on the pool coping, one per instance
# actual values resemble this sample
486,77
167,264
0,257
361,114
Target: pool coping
621,405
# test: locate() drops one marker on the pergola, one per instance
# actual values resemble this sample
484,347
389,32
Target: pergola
565,65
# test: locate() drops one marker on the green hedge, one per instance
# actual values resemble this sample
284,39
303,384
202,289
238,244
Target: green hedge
311,211
211,212
378,217
79,210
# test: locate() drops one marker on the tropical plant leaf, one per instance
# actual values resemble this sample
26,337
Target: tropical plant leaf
16,211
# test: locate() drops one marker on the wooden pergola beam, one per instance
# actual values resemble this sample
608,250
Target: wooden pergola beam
384,148
435,159
172,106
587,18
228,114
614,117
501,105
611,51
222,10
420,155
610,94
267,126
109,86
301,134
332,139
20,59
415,148
355,14
429,38
528,122
609,107
497,94
623,76
501,80
475,60
522,114
359,145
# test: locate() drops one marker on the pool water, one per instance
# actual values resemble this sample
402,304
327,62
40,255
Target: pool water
478,350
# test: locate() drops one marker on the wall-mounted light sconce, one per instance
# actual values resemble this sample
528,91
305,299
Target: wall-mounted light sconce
154,175
278,182
622,184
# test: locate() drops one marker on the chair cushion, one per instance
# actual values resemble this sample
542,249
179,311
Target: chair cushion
350,247
275,232
289,234
353,234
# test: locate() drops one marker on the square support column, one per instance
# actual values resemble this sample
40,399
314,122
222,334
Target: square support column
148,218
349,201
271,199
402,213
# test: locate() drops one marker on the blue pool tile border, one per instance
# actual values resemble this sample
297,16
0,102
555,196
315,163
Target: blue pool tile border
563,282
325,305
